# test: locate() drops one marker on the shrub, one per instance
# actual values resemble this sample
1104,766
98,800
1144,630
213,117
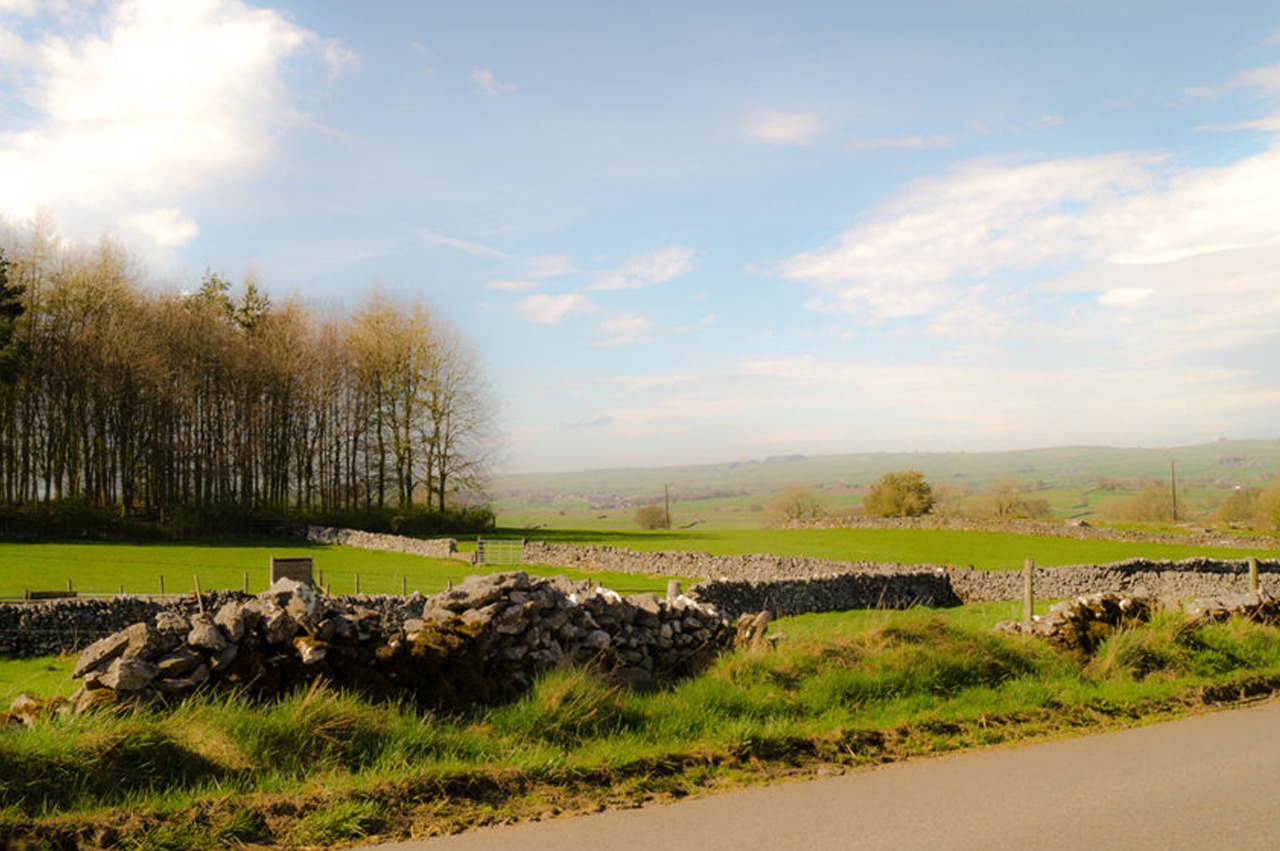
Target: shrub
1241,507
1267,512
1005,498
1152,504
796,504
652,517
904,493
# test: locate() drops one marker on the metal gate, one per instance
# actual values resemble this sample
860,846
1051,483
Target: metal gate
495,551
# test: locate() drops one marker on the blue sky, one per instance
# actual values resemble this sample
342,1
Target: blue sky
681,232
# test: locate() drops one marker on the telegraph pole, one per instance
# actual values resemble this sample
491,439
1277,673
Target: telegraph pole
666,501
1173,489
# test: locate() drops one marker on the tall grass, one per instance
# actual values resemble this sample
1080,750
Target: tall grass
320,766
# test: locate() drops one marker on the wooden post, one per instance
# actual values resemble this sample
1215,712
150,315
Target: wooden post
1253,574
199,596
246,582
1028,592
121,590
69,588
357,583
162,583
674,589
404,586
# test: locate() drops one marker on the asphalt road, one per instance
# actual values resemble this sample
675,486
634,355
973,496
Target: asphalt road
1207,782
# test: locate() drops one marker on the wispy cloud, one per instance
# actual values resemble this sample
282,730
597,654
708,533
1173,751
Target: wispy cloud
783,128
549,265
467,246
490,85
904,143
543,309
656,267
624,329
511,286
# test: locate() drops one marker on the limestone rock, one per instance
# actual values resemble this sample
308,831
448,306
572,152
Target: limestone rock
128,674
206,635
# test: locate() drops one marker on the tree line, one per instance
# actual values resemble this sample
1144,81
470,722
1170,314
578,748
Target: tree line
218,400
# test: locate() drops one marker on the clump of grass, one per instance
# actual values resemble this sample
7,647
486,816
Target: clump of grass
340,821
317,727
565,707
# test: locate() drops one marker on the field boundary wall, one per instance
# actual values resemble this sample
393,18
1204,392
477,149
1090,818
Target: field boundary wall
734,584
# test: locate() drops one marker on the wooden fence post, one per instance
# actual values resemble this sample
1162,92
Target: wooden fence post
162,583
357,583
1028,592
1253,574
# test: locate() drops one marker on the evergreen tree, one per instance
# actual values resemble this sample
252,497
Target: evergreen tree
11,307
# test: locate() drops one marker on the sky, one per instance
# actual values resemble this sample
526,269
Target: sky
695,231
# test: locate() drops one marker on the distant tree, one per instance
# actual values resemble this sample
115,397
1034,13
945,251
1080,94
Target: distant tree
796,504
1267,513
1240,507
1152,504
651,517
903,493
1005,498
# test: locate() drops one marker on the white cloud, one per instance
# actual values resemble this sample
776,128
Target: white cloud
913,255
543,309
150,104
511,286
169,227
657,267
489,83
338,58
624,329
783,128
549,265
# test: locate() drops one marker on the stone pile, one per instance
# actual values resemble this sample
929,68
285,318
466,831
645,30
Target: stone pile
1079,625
480,642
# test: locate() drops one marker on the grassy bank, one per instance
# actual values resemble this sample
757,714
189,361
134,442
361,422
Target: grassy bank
842,691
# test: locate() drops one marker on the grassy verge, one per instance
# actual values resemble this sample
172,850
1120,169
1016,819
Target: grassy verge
842,691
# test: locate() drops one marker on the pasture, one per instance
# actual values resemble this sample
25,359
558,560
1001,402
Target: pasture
111,568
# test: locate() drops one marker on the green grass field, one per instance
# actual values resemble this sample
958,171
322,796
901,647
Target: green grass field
983,550
109,568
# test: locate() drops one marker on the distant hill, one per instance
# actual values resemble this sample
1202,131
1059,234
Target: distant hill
740,487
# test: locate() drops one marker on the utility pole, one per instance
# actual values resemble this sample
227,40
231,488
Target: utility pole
666,501
1173,489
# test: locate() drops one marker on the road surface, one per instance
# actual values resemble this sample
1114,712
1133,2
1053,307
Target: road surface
1207,782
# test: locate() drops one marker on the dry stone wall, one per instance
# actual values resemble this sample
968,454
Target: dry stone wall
433,548
866,590
756,567
1178,580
